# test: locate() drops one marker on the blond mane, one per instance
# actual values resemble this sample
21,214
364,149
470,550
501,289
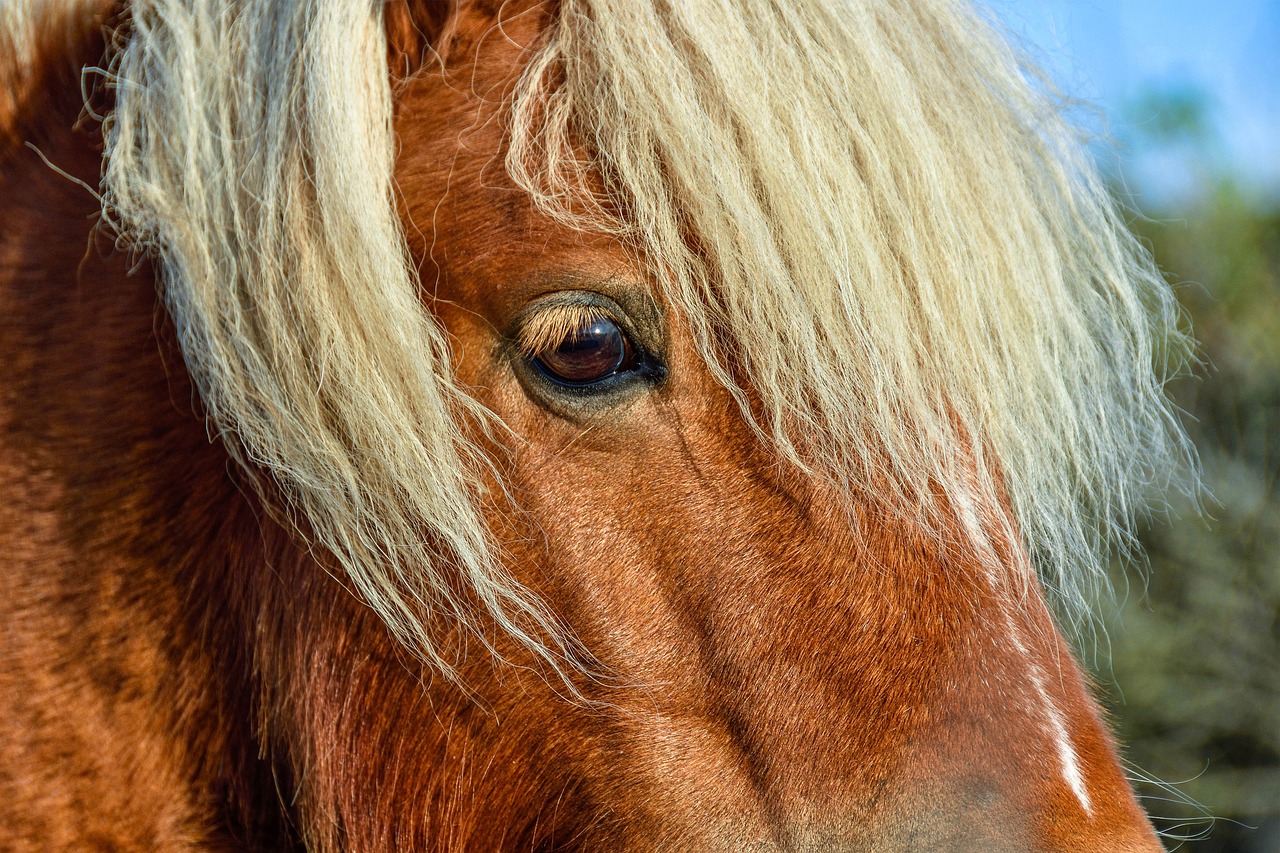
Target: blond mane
863,210
914,262
251,152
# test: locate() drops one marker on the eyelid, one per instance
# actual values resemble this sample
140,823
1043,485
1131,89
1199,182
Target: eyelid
549,328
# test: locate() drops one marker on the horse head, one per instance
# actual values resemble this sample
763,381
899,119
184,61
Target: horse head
635,426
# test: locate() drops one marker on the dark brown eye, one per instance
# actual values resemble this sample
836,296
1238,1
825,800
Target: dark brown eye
596,350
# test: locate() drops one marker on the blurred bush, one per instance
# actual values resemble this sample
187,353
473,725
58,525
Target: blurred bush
1193,682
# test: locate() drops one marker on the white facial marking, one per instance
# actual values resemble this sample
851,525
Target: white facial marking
1066,752
1070,763
1057,723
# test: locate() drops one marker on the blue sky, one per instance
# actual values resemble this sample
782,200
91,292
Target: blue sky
1225,53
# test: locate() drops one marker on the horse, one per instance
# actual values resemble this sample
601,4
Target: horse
560,425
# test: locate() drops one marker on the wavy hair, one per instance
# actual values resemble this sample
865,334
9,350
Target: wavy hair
866,211
251,151
875,214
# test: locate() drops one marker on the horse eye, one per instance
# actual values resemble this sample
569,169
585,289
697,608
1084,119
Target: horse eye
594,351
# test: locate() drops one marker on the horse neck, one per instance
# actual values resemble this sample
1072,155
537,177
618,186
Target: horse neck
122,527
210,661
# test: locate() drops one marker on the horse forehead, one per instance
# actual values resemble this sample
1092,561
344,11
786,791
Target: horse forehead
501,29
483,46
462,209
480,237
453,103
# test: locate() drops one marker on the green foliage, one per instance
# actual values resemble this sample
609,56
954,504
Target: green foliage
1170,115
1196,655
